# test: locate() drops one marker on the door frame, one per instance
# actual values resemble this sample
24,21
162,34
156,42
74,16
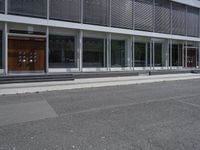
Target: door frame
28,36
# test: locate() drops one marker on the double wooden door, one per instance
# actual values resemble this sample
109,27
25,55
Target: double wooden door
26,54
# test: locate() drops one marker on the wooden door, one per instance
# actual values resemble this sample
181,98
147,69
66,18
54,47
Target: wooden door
26,54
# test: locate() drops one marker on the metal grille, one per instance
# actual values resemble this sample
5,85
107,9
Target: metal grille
178,19
162,16
192,21
68,10
144,15
35,8
95,12
2,6
122,13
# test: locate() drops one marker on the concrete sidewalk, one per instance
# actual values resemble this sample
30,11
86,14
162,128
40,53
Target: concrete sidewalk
6,89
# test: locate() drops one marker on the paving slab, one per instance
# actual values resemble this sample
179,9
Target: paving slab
24,112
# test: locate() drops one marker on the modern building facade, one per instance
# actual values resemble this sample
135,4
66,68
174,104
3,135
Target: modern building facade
44,36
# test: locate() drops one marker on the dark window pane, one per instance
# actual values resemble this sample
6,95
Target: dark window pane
61,51
68,10
144,15
95,12
118,53
178,19
176,55
2,6
93,52
122,13
1,57
35,8
162,16
192,21
140,50
158,55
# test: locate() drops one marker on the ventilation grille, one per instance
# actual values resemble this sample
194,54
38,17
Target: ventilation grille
122,13
178,19
95,12
2,6
35,8
144,15
68,10
162,16
193,21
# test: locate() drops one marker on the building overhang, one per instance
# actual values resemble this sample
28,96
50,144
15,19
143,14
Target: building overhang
194,3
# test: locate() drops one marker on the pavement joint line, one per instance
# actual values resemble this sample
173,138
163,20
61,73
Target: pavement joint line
188,103
123,105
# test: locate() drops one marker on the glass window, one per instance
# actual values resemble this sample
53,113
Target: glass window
35,8
177,54
1,57
158,55
94,54
62,51
118,53
140,54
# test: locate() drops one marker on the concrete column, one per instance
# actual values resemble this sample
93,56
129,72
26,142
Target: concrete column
133,52
80,50
47,50
109,51
199,54
5,52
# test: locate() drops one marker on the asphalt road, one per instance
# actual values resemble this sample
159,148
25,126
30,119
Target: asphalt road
154,116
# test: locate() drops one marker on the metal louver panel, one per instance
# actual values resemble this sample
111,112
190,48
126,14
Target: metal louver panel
68,10
178,19
144,15
192,21
96,12
122,13
162,16
35,8
2,6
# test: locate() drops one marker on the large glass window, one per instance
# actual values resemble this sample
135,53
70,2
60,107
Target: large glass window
62,51
65,10
161,52
94,53
118,50
177,54
140,54
35,8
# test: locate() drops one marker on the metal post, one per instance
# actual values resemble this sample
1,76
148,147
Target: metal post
153,52
47,50
5,53
199,54
6,7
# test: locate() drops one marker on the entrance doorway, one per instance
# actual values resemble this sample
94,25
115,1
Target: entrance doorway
26,54
192,57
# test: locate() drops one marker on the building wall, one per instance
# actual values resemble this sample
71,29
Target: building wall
154,19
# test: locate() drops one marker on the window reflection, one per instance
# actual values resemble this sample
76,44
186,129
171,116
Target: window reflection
61,51
93,52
